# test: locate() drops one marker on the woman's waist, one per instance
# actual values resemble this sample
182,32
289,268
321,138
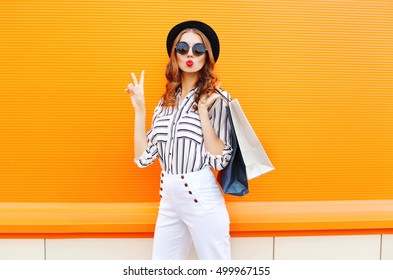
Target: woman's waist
205,173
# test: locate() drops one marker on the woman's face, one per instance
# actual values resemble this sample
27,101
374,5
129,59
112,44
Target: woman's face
189,62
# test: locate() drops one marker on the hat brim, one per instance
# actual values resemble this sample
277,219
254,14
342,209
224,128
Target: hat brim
203,27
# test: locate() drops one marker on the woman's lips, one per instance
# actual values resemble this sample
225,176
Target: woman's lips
189,63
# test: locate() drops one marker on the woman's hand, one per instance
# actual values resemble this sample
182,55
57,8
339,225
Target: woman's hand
213,144
206,101
136,91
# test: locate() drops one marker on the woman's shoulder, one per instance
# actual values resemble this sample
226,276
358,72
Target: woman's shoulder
160,102
162,110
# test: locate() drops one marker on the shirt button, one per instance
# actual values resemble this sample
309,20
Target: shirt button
196,200
182,176
190,192
186,185
160,188
162,181
162,174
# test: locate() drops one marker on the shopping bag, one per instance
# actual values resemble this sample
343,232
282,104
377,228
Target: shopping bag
255,158
233,178
253,154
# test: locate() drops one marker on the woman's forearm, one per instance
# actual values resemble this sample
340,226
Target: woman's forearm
140,140
213,143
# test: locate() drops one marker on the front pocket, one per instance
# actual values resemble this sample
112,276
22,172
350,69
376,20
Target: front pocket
161,128
189,127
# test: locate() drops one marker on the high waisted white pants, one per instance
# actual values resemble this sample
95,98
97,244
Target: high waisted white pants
192,210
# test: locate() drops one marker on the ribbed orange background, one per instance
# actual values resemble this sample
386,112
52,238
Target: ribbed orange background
313,77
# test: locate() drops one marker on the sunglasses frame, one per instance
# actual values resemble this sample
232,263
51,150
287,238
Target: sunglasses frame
193,48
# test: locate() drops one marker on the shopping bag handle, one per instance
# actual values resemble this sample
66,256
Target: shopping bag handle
222,95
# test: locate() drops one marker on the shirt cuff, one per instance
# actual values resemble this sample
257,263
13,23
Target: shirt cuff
219,162
145,159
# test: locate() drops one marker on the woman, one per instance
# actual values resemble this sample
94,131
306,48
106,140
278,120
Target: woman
190,134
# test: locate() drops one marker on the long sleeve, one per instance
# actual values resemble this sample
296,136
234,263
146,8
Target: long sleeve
220,121
151,152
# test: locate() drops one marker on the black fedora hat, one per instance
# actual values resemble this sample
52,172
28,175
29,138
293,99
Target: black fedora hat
203,27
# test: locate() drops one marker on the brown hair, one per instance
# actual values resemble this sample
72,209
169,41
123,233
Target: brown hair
207,81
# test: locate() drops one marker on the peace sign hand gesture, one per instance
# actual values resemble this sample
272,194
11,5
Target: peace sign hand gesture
136,91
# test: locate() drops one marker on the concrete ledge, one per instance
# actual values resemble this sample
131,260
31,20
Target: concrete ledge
247,218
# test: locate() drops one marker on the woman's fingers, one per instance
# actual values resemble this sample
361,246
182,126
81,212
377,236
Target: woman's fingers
134,79
212,98
208,101
136,86
142,80
129,88
136,91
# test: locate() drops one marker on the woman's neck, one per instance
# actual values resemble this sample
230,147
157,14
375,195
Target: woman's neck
188,82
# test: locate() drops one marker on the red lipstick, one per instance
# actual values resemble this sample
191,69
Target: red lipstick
189,63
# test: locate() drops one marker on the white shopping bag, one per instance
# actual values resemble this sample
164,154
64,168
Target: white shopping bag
254,156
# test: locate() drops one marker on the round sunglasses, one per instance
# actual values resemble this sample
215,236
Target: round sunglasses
198,49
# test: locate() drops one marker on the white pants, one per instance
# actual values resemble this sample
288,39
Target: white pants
192,210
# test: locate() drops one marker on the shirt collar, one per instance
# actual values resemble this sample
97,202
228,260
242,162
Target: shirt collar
189,95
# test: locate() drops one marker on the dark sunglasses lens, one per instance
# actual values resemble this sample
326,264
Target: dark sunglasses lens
199,49
182,47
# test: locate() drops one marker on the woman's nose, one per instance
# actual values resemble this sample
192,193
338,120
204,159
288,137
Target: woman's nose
190,53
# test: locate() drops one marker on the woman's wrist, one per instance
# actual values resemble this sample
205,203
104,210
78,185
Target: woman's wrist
202,110
140,110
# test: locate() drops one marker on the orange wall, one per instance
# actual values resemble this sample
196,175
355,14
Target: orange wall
314,78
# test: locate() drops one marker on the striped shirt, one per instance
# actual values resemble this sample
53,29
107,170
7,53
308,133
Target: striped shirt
176,137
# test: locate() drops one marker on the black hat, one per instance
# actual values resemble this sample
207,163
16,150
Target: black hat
203,27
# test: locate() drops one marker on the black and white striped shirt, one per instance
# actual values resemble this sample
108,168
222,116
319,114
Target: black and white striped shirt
176,137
